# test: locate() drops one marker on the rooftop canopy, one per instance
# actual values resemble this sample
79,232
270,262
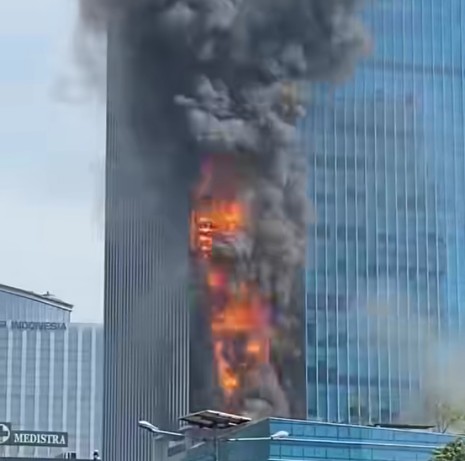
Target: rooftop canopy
214,419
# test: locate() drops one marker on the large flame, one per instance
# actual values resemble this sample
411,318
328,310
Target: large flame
239,315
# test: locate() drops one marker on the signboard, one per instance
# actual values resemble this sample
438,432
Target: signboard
23,325
11,437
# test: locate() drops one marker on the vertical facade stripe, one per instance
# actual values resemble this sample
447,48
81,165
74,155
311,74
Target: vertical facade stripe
9,375
23,366
64,420
22,403
51,382
38,366
9,382
79,394
93,385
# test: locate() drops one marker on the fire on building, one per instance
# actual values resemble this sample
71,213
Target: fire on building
247,376
221,89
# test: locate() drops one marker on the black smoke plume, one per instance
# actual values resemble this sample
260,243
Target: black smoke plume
227,71
239,61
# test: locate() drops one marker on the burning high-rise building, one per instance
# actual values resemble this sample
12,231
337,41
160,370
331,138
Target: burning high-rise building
206,204
256,354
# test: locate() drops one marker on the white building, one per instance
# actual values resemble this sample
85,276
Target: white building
51,372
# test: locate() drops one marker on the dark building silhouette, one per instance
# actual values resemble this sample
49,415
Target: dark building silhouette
146,283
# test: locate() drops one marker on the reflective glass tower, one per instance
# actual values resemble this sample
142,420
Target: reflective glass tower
385,276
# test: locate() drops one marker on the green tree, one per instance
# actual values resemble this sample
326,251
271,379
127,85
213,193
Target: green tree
453,451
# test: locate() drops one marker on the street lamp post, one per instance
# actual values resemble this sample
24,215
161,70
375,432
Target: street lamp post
160,437
159,432
276,436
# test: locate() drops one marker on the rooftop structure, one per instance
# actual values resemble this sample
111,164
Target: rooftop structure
214,419
316,440
46,298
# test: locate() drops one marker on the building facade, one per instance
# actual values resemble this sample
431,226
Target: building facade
319,441
146,255
385,281
149,287
52,376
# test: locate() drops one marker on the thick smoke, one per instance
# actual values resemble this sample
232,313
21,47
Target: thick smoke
239,60
230,70
410,347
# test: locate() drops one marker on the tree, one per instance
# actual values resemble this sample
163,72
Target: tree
447,416
453,451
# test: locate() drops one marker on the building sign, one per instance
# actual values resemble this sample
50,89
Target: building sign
11,437
22,325
5,433
39,439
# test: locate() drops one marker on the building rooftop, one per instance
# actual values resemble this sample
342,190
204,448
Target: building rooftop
46,298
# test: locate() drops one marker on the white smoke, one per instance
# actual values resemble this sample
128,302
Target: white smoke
408,331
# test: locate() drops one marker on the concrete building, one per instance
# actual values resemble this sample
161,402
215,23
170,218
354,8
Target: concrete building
147,291
53,372
150,289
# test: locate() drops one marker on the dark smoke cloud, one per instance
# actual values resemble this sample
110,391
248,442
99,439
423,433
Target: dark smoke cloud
239,59
229,68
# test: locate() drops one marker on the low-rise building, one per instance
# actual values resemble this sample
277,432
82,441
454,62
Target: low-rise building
310,440
52,373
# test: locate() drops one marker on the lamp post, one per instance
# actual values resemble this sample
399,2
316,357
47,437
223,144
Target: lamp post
159,437
276,436
159,432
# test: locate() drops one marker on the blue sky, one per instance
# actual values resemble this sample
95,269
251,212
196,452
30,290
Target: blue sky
51,159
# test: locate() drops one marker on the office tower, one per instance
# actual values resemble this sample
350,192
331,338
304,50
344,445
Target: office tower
146,260
156,365
52,372
387,250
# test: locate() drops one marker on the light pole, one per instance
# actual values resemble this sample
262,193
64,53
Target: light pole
159,436
276,436
159,432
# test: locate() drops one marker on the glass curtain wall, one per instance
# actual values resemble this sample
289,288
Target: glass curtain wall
385,273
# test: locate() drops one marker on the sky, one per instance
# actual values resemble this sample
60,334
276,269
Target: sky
52,148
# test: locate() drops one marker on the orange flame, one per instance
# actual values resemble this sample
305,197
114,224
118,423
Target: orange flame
239,315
